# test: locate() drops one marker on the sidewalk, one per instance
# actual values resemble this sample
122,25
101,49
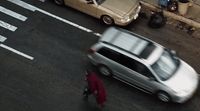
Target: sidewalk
191,18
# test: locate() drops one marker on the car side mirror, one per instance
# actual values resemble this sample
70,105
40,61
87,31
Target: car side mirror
173,52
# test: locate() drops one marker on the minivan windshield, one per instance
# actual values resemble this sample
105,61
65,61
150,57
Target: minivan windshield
166,65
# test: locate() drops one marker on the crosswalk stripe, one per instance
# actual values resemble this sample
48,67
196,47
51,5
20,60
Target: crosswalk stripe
2,38
7,26
23,4
12,13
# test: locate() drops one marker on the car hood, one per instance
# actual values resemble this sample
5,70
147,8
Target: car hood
185,79
120,7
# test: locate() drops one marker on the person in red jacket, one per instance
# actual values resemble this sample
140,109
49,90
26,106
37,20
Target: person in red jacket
95,86
101,94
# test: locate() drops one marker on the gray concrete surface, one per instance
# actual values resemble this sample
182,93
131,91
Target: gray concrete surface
193,11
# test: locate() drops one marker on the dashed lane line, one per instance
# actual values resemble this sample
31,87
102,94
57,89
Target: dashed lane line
16,51
33,8
12,14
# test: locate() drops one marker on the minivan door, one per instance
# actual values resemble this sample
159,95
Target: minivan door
138,74
144,77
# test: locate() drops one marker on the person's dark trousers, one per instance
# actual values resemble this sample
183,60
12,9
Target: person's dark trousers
86,92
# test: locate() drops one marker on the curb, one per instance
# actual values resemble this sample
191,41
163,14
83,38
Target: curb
172,15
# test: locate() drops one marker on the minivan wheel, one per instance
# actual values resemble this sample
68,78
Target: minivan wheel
59,2
104,70
107,20
163,96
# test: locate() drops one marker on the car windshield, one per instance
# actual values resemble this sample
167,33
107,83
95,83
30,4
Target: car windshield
99,1
166,65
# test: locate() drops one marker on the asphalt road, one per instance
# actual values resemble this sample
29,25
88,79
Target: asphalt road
53,80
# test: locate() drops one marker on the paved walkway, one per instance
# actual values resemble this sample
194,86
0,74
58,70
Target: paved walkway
192,17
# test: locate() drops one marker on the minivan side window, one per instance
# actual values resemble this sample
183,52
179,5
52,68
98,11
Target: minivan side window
125,61
135,65
142,69
113,55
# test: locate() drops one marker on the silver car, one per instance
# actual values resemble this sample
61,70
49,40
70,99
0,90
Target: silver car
144,64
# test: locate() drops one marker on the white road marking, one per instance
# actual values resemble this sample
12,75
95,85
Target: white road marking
23,4
33,8
42,0
64,20
15,51
97,34
7,26
12,14
2,38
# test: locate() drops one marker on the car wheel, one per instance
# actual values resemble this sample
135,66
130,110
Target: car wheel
163,96
107,20
59,2
104,70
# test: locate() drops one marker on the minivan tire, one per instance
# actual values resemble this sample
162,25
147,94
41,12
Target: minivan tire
104,70
163,96
59,2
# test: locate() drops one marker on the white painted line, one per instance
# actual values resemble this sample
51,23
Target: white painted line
15,51
33,8
7,26
12,14
2,38
42,0
64,20
23,4
97,34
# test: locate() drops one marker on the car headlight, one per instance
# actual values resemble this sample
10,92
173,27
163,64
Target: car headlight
125,18
137,12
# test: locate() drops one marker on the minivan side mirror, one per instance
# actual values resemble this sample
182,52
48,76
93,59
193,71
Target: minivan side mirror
173,52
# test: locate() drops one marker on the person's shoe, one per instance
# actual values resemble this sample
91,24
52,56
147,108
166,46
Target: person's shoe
85,97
